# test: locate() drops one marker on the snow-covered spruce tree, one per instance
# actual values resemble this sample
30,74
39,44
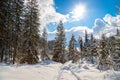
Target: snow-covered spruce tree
118,32
3,12
93,49
51,46
80,41
17,28
116,55
31,33
5,31
102,51
116,50
59,47
7,15
86,46
72,55
105,50
44,53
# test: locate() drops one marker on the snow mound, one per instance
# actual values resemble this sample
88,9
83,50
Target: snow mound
86,67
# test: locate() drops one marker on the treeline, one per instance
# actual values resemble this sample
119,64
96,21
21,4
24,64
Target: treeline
19,31
104,52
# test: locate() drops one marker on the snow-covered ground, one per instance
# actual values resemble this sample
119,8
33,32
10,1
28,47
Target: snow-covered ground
50,70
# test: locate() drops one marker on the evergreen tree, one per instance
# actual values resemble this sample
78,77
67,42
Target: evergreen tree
17,28
31,33
92,38
93,48
105,51
118,32
102,47
86,38
6,10
86,45
59,47
115,50
2,27
80,41
44,55
116,46
72,49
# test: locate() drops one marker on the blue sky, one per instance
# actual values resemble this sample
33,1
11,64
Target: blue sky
95,9
99,15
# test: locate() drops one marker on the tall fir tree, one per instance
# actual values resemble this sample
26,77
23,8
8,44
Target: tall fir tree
118,32
102,46
92,38
59,47
31,33
44,53
80,41
72,49
3,11
115,49
117,45
93,49
17,28
86,45
103,51
6,22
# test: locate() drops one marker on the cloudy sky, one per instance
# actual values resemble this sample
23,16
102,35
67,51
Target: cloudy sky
95,16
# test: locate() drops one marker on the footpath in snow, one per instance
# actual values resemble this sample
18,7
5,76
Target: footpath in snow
49,70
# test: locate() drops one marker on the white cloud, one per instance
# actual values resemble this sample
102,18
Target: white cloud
112,20
48,13
99,24
107,25
77,31
79,28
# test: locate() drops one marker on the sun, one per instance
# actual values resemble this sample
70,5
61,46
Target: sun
79,11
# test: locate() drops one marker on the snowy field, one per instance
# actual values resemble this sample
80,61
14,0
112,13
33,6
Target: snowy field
49,70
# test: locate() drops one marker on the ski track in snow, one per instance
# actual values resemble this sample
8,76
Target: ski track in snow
61,71
75,75
50,70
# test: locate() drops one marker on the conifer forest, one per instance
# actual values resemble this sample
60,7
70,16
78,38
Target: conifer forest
25,41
